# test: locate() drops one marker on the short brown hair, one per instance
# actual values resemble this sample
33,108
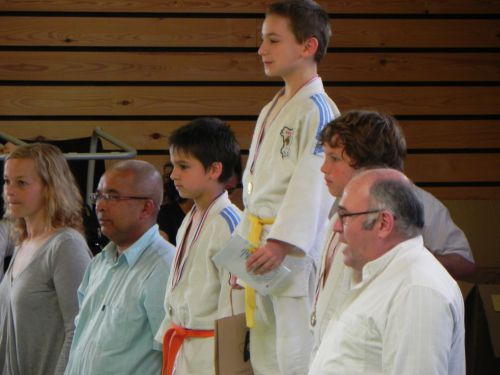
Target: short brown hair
307,20
369,138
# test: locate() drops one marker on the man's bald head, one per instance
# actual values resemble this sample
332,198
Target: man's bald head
391,190
146,180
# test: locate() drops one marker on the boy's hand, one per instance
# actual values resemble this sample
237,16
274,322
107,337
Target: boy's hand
233,281
268,257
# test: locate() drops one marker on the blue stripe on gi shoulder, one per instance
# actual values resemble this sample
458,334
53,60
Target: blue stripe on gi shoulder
325,116
231,216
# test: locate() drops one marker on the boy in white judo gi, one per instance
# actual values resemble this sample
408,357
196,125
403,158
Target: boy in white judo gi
204,154
286,201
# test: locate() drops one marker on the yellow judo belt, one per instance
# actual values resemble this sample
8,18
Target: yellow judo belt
256,226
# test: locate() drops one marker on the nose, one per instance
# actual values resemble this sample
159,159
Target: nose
174,174
324,168
8,189
99,204
261,50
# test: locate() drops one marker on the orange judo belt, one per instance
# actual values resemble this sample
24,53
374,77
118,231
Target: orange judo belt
172,342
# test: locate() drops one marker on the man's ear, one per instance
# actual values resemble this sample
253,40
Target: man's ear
385,224
148,208
310,47
215,170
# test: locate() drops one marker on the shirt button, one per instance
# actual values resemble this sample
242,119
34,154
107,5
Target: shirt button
170,310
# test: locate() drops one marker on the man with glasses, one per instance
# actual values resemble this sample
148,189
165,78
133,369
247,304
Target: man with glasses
122,293
403,313
357,141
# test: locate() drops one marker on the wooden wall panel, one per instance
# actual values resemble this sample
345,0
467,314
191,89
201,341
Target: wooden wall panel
142,68
242,66
254,6
234,32
235,101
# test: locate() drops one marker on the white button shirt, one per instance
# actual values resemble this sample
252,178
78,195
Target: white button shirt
406,316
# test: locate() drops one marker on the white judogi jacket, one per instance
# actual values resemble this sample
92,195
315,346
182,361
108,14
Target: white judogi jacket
202,293
287,183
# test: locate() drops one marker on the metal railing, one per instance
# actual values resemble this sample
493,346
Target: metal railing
126,153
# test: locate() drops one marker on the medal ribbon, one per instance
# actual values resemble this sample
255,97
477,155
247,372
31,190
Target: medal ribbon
182,253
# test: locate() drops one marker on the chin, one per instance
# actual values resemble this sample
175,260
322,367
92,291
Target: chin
270,73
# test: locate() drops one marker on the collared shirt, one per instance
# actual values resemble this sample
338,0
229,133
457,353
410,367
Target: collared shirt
441,237
121,307
406,316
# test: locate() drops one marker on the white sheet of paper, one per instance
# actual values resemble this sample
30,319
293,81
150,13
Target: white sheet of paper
233,258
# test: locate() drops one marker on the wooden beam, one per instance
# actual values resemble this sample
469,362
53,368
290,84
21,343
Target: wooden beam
233,101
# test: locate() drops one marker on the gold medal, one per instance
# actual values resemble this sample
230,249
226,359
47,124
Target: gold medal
249,188
313,319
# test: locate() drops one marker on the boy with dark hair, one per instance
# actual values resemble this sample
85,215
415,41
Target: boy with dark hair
204,154
354,142
283,164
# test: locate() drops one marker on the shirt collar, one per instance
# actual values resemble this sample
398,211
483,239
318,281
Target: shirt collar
134,251
376,266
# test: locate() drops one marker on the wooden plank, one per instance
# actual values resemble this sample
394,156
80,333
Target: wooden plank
415,33
459,134
235,100
153,135
127,32
253,6
469,192
227,32
453,167
241,66
142,135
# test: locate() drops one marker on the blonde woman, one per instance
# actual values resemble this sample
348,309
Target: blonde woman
38,295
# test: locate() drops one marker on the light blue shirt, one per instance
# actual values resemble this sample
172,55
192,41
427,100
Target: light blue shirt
121,308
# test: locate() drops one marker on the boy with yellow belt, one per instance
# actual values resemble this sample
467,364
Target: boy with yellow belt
286,202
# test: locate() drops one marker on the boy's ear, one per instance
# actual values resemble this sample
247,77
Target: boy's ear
310,46
215,170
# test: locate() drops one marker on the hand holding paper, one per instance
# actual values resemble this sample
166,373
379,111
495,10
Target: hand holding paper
268,257
234,258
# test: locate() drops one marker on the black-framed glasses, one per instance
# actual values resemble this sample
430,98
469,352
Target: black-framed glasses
343,214
94,197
